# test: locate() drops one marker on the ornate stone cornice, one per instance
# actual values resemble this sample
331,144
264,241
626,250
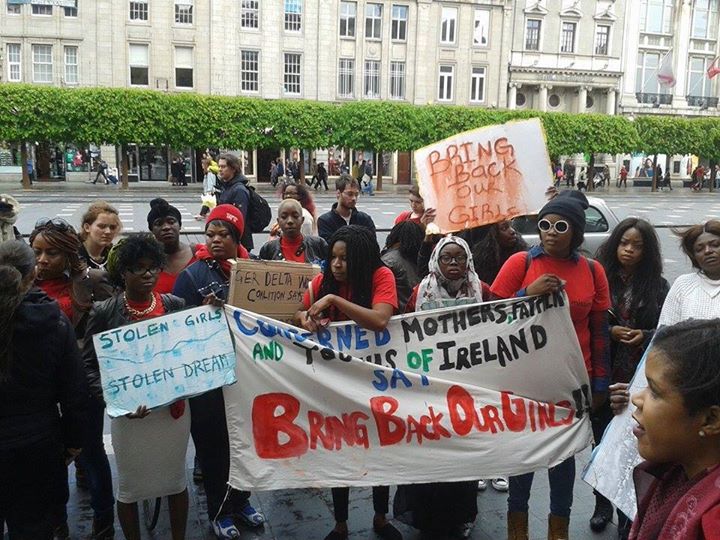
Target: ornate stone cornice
559,72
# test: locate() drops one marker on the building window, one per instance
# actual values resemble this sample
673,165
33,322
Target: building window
184,11
292,81
481,28
14,62
532,34
348,13
520,99
602,38
71,11
567,37
477,84
698,84
397,80
346,77
373,21
250,71
371,88
42,63
705,19
399,23
71,65
41,9
250,14
293,15
14,9
647,67
139,10
445,83
183,67
448,26
554,100
139,65
656,16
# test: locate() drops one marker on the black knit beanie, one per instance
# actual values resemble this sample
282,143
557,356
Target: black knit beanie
160,208
569,204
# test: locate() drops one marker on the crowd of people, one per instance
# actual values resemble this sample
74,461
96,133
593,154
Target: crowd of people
69,284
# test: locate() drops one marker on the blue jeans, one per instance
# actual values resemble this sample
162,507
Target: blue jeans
95,462
562,480
368,188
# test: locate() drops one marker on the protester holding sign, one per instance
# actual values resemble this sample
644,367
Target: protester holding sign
165,221
554,265
293,244
43,397
355,285
633,262
678,433
150,446
417,213
447,508
206,282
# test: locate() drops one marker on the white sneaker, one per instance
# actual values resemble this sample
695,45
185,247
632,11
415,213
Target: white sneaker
500,484
482,485
225,528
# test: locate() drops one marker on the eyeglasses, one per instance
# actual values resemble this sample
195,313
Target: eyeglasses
560,226
142,271
447,259
53,223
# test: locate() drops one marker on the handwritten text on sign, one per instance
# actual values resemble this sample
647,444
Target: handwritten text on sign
455,394
273,288
486,175
161,360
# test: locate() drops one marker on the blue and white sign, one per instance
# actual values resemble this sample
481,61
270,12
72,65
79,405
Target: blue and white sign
158,361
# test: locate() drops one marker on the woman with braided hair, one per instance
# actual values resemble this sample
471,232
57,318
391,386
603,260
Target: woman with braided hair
355,285
43,394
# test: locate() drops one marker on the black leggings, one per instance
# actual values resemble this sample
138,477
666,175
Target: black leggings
341,501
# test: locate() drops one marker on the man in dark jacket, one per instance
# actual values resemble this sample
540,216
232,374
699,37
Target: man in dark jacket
235,191
344,212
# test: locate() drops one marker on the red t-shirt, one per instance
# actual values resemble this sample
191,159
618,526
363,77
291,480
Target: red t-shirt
141,306
290,248
383,292
59,289
166,280
585,293
406,216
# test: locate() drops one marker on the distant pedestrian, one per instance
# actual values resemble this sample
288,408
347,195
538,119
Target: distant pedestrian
321,176
102,171
622,177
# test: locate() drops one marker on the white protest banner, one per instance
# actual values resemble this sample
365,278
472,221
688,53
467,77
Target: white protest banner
485,175
469,392
158,361
610,470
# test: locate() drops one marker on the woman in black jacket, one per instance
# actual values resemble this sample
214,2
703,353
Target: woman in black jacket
292,245
37,439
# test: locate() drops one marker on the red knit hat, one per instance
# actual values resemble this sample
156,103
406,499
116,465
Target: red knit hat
228,213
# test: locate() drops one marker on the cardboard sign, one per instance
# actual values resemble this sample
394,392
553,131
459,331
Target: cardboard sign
158,361
486,175
454,394
272,288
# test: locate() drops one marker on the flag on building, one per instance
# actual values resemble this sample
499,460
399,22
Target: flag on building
665,74
713,68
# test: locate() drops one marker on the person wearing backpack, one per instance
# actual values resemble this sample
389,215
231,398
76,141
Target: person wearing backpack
236,191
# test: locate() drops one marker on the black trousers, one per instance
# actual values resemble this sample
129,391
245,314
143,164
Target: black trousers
34,482
341,501
210,435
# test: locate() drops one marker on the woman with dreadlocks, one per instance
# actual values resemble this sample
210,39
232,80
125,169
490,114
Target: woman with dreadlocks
357,286
150,447
37,438
400,255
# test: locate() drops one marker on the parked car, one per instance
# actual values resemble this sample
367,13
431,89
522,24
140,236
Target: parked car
600,221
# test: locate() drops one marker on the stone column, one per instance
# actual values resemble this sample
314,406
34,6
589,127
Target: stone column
543,97
582,99
512,96
610,104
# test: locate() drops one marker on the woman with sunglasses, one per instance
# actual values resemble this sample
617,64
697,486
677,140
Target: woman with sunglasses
43,396
150,446
553,266
355,285
207,281
443,509
99,227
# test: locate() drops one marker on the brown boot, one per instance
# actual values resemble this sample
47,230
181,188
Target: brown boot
517,525
558,527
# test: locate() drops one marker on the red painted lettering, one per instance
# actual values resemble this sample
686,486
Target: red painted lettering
267,426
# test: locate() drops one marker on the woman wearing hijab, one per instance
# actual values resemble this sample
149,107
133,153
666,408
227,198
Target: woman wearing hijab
204,282
165,221
150,446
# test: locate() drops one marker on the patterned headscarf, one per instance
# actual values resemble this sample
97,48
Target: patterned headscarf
436,291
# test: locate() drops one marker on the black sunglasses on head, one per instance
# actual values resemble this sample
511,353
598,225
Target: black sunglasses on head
53,223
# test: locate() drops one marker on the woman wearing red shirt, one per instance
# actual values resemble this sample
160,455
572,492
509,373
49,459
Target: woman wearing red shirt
356,286
292,245
417,213
554,265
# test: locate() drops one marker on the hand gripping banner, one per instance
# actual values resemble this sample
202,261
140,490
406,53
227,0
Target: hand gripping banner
477,391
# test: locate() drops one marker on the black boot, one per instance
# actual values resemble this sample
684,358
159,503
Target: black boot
602,514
